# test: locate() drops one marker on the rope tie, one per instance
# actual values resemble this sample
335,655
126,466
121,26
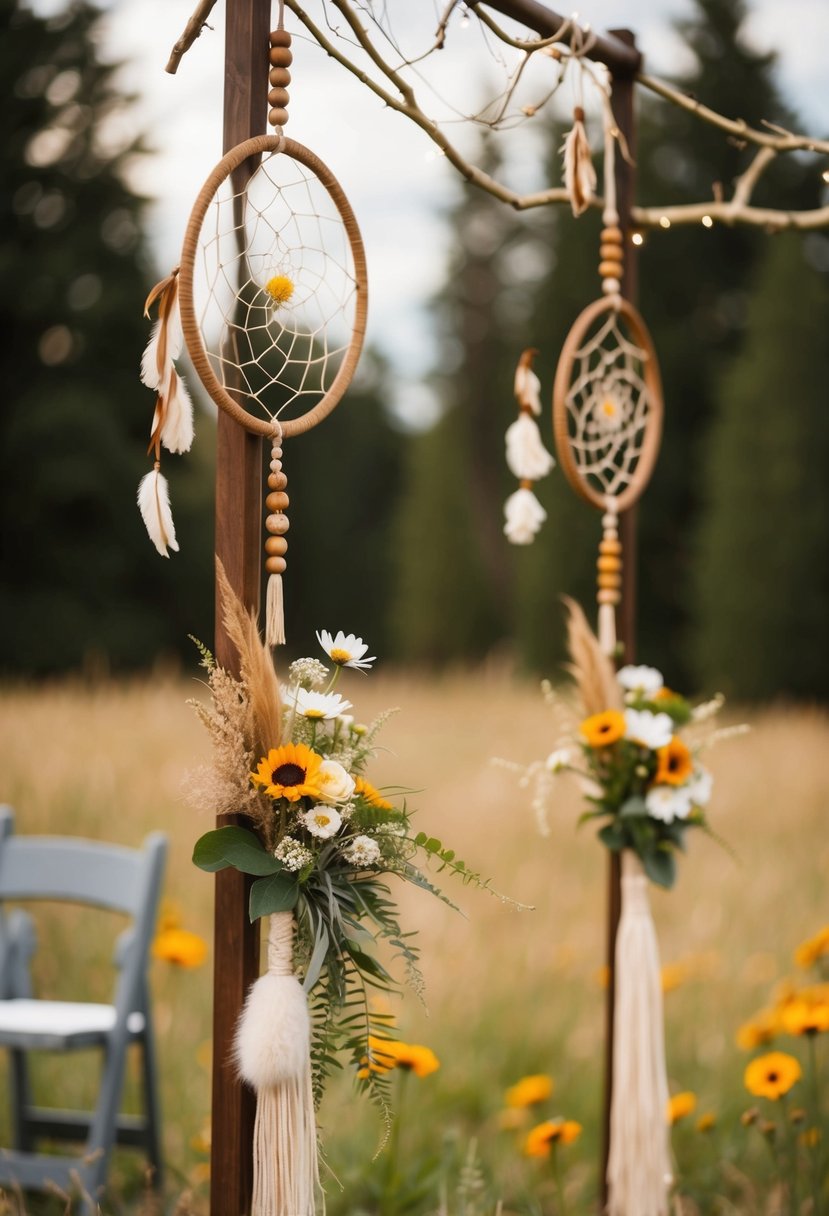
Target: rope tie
281,944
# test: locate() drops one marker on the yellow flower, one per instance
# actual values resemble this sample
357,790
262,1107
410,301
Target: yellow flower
673,975
810,1138
291,772
808,952
600,730
280,288
674,763
759,1030
180,947
681,1105
805,1017
387,1054
529,1090
541,1139
370,794
772,1076
379,1059
706,1122
513,1118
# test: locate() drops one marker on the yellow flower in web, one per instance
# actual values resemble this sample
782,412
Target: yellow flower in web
180,947
600,730
675,764
773,1075
530,1090
280,288
370,794
681,1105
291,771
541,1139
810,951
805,1017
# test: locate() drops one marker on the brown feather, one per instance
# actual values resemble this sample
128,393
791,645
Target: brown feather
255,666
592,670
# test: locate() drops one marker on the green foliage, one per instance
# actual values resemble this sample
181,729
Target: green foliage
237,847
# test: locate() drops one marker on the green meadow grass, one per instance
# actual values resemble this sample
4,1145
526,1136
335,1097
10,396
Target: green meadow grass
508,992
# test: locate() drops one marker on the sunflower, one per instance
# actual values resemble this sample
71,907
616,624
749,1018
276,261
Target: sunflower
674,763
541,1139
180,947
681,1105
772,1076
370,794
290,771
529,1090
600,730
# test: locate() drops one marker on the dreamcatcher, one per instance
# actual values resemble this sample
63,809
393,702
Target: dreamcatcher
607,422
270,299
271,292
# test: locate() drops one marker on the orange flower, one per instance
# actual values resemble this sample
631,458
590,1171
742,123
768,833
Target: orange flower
370,794
675,764
772,1076
387,1054
681,1105
808,952
541,1139
805,1017
529,1090
180,947
290,772
600,730
759,1030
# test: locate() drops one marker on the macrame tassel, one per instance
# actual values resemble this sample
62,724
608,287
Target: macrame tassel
579,174
524,516
154,505
272,1052
639,1170
527,457
276,546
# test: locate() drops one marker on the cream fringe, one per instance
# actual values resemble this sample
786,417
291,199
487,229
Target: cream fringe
285,1167
639,1170
275,612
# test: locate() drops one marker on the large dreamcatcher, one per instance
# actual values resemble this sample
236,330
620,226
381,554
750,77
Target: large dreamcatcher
270,300
607,422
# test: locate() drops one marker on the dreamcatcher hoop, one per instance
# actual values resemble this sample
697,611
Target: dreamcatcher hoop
589,459
222,395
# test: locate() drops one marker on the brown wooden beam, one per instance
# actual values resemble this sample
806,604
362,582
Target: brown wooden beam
239,468
619,55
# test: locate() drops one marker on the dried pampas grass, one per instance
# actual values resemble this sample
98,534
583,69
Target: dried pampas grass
255,667
589,666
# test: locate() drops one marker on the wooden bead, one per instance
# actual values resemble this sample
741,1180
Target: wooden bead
280,57
608,597
276,452
612,236
275,565
278,117
610,546
277,501
610,564
610,270
609,580
275,546
279,38
279,77
278,97
611,253
277,524
277,481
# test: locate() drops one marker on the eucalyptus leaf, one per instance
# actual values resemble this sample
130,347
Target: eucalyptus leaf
633,806
612,835
660,866
273,893
237,847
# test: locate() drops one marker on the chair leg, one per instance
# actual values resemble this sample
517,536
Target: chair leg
152,1104
21,1101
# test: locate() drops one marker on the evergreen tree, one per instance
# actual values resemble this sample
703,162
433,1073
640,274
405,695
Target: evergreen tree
82,578
762,581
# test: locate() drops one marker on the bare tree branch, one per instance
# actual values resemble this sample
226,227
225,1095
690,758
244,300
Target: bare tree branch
193,28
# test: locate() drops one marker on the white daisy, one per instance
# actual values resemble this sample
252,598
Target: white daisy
346,649
362,851
317,706
699,787
651,730
322,821
645,680
668,802
558,760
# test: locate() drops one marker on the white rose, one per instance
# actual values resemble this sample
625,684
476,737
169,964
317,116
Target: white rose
334,782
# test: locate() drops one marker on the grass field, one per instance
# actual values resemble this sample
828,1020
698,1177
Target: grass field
508,992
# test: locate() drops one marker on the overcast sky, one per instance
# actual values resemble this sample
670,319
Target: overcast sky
396,183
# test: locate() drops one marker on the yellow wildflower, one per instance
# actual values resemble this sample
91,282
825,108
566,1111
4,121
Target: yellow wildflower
370,794
759,1030
808,952
280,288
706,1122
673,976
805,1017
180,947
541,1139
675,764
600,730
529,1090
681,1105
773,1075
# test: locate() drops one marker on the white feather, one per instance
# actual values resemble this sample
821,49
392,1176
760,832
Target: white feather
273,1035
177,432
527,388
579,174
154,505
151,373
524,516
526,454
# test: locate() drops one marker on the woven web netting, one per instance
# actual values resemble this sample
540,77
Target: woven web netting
274,288
608,407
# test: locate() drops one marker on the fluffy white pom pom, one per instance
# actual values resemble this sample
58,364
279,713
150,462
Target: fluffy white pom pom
273,1036
524,516
154,505
526,454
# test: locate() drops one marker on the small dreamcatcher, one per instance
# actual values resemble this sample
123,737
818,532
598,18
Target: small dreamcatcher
272,298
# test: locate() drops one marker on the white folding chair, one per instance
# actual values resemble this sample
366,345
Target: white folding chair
103,876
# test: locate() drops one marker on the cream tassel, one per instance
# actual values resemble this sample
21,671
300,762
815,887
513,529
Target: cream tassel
272,1051
639,1170
527,457
579,174
275,612
154,505
524,516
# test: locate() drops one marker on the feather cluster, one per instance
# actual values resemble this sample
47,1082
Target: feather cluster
579,174
524,516
527,458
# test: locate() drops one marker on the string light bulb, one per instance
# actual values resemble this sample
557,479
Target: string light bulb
664,222
707,222
825,175
637,238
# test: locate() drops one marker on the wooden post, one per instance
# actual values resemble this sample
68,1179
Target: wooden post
623,109
239,471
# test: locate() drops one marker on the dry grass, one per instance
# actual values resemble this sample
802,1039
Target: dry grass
508,991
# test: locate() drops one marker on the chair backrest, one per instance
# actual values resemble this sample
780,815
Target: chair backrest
88,872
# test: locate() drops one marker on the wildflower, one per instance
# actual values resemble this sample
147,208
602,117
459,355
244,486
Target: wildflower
680,1105
651,730
334,783
346,650
773,1075
411,1057
379,1058
362,851
529,1090
811,1137
672,976
308,673
317,706
558,760
805,1017
674,765
810,951
667,803
280,288
706,1122
513,1118
602,729
759,1030
541,1139
322,821
370,794
292,854
291,771
180,947
749,1116
646,681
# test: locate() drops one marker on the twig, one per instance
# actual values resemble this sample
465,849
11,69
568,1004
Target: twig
193,28
727,213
